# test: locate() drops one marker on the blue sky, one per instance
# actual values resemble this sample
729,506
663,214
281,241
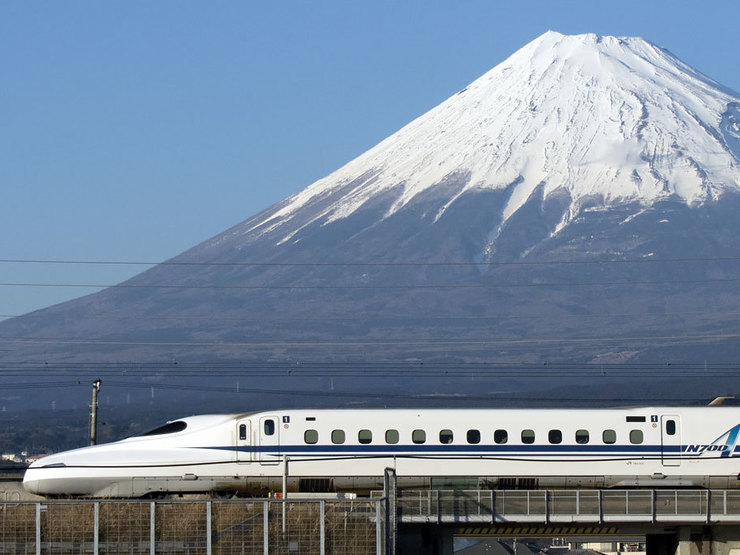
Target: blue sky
131,131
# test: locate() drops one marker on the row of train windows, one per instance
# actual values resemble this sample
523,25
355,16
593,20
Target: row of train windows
473,437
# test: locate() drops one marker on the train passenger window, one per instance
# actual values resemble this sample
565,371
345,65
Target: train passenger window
364,436
269,427
337,437
311,436
635,436
473,436
419,436
609,436
391,436
500,436
527,436
670,427
445,437
242,431
555,436
582,437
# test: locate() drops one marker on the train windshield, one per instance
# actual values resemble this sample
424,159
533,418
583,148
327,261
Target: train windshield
169,428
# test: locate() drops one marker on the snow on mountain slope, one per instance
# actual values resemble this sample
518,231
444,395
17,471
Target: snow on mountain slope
607,120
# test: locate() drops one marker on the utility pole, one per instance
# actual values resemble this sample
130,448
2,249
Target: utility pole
94,413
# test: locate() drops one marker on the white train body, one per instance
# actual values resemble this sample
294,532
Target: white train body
350,449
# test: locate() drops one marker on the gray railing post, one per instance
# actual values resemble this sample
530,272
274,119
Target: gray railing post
96,527
708,495
675,502
209,530
152,529
653,503
265,528
601,508
38,528
285,487
390,492
378,530
626,501
322,531
547,506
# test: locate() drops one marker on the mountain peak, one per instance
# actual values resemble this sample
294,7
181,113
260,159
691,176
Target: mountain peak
601,120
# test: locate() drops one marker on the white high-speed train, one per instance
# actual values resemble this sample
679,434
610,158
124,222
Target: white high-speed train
346,450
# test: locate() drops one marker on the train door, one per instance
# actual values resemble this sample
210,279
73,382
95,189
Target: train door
670,439
243,441
269,438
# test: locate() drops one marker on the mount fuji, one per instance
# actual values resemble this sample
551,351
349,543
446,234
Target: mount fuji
599,121
569,217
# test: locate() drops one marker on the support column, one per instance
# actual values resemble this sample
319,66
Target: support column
696,540
725,540
717,539
684,541
661,544
426,539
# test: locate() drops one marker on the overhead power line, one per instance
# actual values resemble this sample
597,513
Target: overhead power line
429,342
383,317
373,374
367,318
462,398
270,368
374,287
296,365
368,264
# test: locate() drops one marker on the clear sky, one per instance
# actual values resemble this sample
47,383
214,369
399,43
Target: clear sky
133,130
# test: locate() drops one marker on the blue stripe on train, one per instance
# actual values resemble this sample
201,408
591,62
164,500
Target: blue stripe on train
476,450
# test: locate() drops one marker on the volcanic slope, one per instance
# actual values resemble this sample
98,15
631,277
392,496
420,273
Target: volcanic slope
576,206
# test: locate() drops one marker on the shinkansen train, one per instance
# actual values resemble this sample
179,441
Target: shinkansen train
349,450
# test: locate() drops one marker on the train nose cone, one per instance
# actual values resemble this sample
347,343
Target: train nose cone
31,484
42,480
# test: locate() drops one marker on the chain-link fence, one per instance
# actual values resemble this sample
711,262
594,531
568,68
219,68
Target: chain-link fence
211,527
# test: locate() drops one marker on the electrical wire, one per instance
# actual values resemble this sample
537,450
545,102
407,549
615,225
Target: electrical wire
385,318
372,370
453,397
368,264
374,287
361,342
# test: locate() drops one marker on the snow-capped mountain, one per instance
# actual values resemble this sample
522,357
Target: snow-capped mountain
577,205
604,121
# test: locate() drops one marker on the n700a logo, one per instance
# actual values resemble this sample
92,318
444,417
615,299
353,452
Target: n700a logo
699,449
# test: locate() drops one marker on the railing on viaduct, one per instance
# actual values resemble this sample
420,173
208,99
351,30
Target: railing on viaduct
570,506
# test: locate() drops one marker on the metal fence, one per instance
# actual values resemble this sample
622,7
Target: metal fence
321,526
211,527
588,506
